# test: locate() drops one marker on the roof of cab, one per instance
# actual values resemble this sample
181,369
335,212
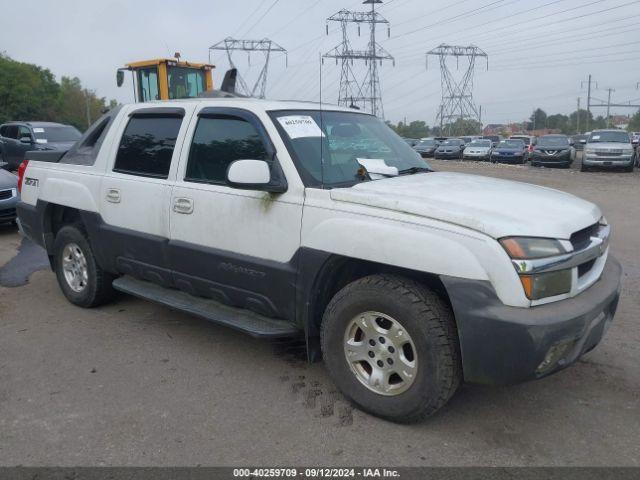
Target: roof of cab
263,104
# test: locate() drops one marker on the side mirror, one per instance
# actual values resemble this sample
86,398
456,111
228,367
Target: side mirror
119,77
26,139
253,175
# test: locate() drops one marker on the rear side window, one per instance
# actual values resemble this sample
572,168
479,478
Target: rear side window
10,131
147,145
218,141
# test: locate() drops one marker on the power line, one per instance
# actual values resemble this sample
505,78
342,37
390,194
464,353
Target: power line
249,17
261,17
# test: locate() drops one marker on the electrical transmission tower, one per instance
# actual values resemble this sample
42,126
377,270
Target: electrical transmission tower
266,46
457,94
366,94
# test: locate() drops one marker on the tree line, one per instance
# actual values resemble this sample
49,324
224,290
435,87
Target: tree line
578,121
30,92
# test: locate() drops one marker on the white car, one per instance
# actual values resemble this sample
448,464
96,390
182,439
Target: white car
274,218
478,150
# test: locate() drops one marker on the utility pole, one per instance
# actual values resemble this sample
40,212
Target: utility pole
351,91
588,99
609,106
578,117
457,94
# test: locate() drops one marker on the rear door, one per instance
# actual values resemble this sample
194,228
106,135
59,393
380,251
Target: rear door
236,246
136,192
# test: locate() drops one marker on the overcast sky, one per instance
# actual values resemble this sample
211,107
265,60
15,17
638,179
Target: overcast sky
539,50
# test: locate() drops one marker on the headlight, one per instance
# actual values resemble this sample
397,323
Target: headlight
589,151
627,151
540,285
527,248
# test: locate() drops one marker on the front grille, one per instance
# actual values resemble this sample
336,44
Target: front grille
5,194
581,238
608,153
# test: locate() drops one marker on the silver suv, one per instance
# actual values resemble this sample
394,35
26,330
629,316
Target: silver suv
610,149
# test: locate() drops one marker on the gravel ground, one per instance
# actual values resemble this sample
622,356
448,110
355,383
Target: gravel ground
133,383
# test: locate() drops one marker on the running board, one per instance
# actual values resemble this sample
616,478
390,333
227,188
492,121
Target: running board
246,321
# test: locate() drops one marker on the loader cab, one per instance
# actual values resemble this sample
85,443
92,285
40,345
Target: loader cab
167,79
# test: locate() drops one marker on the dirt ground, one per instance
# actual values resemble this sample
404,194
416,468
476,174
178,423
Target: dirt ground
134,383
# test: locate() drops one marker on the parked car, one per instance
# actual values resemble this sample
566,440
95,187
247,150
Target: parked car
412,142
510,151
495,139
553,150
579,141
529,140
478,150
608,149
450,148
426,147
236,210
8,196
17,138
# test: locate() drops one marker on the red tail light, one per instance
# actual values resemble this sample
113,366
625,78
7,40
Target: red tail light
21,169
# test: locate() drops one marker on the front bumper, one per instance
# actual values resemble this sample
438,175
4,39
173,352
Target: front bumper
425,153
503,345
476,156
447,155
613,161
550,160
507,158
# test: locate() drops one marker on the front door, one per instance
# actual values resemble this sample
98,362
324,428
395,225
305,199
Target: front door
136,193
236,246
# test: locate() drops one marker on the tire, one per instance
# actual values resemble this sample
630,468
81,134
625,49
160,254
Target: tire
432,342
96,287
630,167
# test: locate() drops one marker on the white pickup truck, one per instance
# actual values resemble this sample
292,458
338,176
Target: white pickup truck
284,220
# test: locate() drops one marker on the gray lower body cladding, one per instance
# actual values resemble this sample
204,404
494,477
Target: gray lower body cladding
503,345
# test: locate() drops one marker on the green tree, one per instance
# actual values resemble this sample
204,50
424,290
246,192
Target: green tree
415,129
537,120
463,127
634,123
558,121
29,92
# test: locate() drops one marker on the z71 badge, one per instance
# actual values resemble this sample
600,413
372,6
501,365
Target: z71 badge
32,182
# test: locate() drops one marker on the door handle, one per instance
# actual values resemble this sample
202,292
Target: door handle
113,195
183,205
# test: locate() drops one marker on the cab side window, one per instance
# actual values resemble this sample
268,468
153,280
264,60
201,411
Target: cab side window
24,132
147,146
218,141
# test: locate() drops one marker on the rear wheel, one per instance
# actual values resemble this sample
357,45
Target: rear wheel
81,279
391,346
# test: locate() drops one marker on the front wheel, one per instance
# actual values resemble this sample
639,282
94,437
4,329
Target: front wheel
81,279
391,347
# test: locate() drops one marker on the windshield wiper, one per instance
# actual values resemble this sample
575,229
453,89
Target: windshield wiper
412,170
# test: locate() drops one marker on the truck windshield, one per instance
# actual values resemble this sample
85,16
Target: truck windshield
326,146
614,137
57,134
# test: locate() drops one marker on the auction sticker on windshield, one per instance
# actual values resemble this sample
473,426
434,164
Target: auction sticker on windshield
299,126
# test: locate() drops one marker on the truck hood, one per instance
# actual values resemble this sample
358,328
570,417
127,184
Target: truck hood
495,207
